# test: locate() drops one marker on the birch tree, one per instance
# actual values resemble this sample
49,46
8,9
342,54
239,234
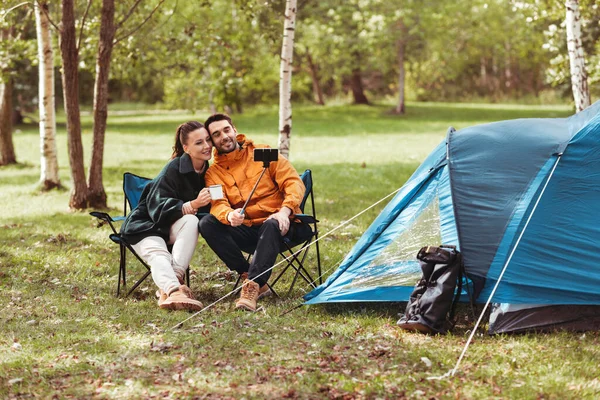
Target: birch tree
49,177
579,79
285,79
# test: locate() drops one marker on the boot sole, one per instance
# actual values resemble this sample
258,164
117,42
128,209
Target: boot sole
195,306
245,307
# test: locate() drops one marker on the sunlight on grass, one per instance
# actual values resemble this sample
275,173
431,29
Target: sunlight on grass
66,335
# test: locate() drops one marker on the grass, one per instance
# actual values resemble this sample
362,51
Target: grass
65,335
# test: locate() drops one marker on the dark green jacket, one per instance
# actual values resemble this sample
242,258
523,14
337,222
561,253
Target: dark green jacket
162,199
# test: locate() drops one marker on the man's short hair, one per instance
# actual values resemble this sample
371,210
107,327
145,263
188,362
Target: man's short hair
215,118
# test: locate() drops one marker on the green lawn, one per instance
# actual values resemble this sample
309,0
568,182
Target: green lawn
65,335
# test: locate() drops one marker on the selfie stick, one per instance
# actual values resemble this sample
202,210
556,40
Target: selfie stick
266,156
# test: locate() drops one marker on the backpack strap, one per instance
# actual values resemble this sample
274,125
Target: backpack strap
461,273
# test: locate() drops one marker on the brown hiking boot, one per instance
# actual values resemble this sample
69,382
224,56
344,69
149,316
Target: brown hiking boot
249,296
181,299
264,290
161,296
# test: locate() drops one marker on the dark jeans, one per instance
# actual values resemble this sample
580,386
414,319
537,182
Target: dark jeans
228,242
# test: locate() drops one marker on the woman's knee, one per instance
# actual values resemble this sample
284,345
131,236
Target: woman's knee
186,226
188,221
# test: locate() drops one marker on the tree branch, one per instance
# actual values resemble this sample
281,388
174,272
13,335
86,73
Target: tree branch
12,8
21,32
131,10
45,11
140,25
83,23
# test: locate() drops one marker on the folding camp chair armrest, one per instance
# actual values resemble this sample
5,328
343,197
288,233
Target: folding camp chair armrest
305,218
102,215
106,218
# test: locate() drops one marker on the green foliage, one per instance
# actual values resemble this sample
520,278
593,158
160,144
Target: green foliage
551,17
66,335
224,54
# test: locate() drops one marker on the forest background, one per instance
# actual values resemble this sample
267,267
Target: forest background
224,55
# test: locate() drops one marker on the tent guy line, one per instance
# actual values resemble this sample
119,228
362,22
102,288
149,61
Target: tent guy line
287,259
487,303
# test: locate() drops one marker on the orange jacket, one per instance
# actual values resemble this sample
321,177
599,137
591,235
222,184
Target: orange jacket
238,172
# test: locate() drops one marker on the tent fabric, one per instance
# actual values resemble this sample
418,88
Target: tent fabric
562,240
374,239
510,318
485,180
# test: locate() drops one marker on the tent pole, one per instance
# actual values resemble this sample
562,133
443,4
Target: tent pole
453,371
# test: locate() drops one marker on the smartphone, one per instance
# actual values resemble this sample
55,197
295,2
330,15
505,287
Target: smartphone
266,155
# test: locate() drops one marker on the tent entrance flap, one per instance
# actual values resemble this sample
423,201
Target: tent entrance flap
389,266
395,265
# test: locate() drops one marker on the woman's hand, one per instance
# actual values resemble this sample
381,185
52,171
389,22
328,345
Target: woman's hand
202,199
187,208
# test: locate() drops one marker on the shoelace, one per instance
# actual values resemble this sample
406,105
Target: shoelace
251,291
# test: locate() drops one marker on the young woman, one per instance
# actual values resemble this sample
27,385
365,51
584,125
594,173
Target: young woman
166,215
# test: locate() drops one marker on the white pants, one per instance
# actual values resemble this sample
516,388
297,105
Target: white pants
168,269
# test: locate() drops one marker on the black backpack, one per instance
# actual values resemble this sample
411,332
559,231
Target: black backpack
432,303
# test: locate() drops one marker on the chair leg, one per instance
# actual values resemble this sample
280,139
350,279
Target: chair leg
299,266
318,258
148,272
122,269
138,283
187,276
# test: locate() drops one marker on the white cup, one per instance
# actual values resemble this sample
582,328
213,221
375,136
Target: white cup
216,192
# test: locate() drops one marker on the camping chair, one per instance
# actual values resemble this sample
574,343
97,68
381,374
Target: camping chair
295,255
133,185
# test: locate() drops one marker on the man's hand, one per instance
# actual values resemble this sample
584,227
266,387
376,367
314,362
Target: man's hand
235,217
283,218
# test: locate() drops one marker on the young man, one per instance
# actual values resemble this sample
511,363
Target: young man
267,217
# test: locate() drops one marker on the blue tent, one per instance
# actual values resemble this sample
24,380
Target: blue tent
477,190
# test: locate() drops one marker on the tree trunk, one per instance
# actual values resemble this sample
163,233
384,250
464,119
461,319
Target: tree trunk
400,107
49,178
357,87
7,149
356,82
483,85
70,83
579,79
316,84
96,193
285,79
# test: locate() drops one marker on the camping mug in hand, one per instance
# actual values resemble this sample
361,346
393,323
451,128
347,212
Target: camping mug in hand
216,192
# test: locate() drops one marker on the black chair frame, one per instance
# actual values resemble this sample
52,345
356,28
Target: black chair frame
124,246
296,258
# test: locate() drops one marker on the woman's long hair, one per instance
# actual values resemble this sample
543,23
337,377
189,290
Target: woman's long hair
181,136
